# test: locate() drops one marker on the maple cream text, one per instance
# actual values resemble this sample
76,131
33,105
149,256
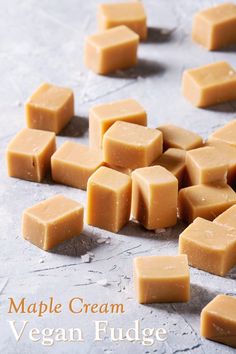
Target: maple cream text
76,305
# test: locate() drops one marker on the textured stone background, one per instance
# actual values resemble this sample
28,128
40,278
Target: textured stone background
43,41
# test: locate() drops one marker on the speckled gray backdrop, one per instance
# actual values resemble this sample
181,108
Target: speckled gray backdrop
43,41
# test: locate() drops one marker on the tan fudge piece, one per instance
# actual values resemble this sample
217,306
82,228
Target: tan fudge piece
130,14
209,246
131,145
102,116
226,134
215,28
218,320
52,221
104,51
108,199
206,201
50,108
227,153
73,164
210,84
205,165
177,137
174,161
154,197
227,218
161,279
29,153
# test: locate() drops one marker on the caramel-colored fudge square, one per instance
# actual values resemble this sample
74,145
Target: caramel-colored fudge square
102,116
174,161
209,246
108,199
104,51
227,153
210,84
161,279
180,138
227,218
50,108
226,134
205,165
52,221
205,200
131,145
28,154
130,14
73,164
154,197
215,28
218,320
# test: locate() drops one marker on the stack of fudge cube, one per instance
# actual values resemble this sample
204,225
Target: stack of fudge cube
129,169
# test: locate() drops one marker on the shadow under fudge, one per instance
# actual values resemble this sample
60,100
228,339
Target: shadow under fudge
77,127
77,246
159,35
48,179
230,49
134,229
144,68
231,275
227,107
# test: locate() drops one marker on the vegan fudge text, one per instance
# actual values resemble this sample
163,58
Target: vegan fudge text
47,336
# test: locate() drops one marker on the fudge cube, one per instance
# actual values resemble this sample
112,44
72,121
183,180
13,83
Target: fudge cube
52,221
226,134
131,145
154,197
205,200
215,28
174,161
29,153
218,320
210,84
180,138
161,279
73,164
102,116
50,108
108,199
205,165
104,51
130,14
209,246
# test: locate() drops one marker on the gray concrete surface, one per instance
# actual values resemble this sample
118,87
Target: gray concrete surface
43,41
